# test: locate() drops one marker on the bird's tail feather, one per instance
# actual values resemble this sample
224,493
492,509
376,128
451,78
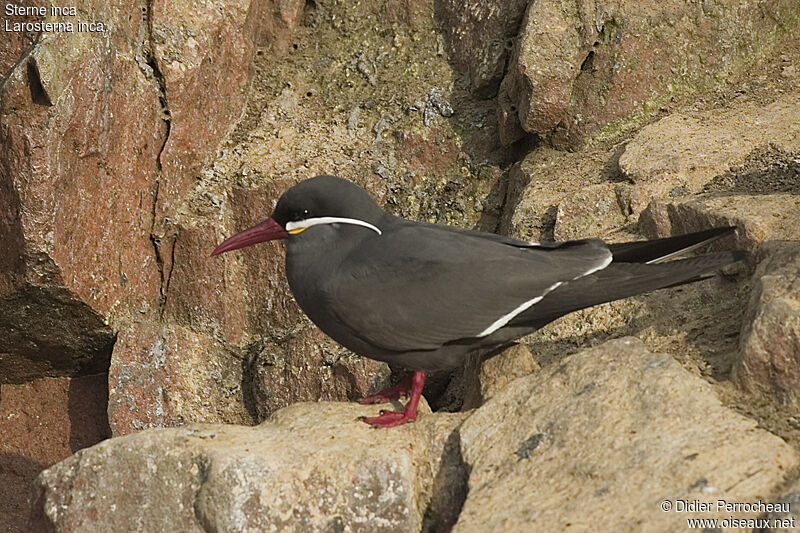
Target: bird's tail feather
660,250
621,280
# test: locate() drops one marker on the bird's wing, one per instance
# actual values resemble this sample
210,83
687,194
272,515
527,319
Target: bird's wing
419,287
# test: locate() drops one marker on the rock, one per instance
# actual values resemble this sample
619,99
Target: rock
167,375
202,54
313,467
529,208
16,43
77,186
200,294
601,439
307,366
72,146
547,181
766,226
786,519
501,370
543,66
43,422
758,218
274,22
684,152
590,212
770,340
495,373
509,128
481,34
584,69
102,140
48,332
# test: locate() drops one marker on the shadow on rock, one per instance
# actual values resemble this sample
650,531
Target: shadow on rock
87,401
450,488
16,476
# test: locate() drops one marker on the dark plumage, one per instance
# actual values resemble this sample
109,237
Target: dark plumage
425,296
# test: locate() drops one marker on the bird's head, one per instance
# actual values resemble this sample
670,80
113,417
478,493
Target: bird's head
313,202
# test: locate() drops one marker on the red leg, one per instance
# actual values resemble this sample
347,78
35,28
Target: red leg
388,419
391,393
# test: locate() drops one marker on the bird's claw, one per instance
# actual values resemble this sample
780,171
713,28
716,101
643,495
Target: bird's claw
388,419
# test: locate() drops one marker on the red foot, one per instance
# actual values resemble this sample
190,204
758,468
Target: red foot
391,393
389,419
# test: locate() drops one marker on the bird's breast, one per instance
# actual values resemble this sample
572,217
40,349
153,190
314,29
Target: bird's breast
311,262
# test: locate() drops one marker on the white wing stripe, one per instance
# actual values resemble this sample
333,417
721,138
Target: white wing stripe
601,266
307,223
505,319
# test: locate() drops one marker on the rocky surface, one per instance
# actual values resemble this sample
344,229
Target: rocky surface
759,218
601,439
481,36
42,422
97,131
17,44
127,155
310,467
544,179
498,371
171,377
598,440
578,69
203,55
58,135
593,210
49,332
683,153
770,343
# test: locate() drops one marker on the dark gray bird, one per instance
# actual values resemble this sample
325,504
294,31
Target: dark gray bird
425,296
